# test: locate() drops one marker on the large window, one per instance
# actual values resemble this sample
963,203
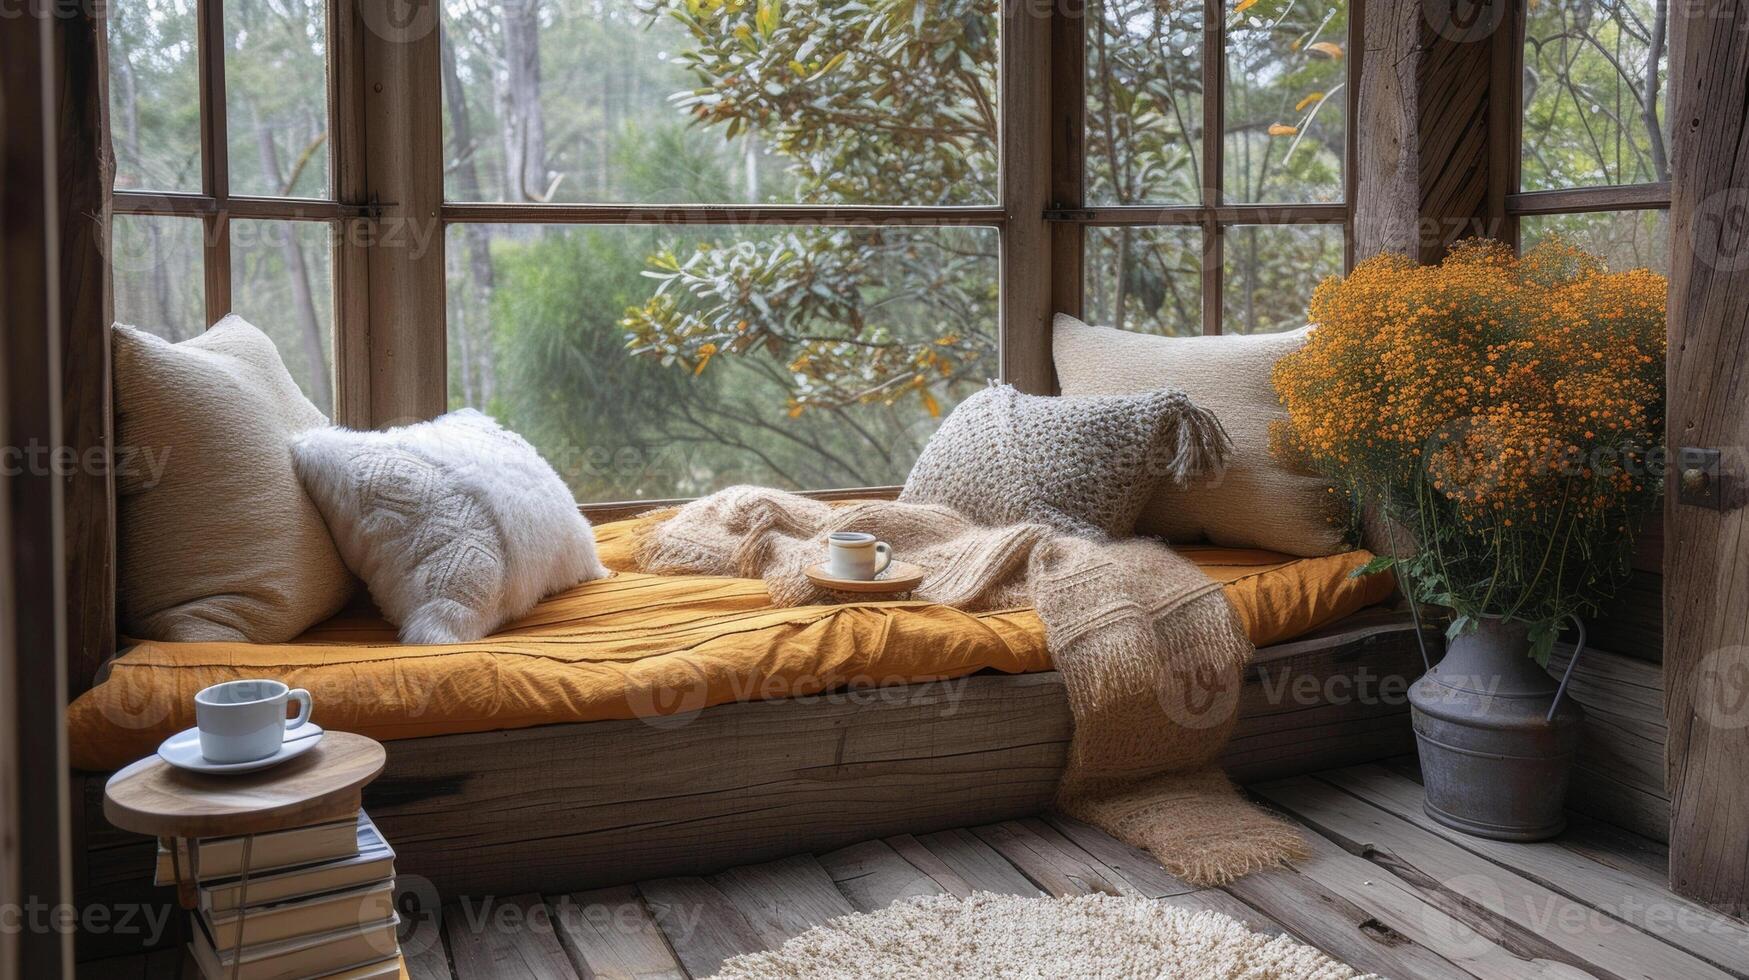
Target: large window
726,333
687,243
224,202
1215,162
1593,151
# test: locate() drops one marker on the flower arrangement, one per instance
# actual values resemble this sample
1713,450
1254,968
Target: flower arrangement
1507,411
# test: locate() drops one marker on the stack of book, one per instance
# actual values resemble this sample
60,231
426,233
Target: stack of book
318,902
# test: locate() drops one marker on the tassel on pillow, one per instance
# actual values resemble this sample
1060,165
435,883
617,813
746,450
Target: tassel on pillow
456,525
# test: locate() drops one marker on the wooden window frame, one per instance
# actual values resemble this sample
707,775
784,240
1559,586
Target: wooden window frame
1070,215
215,206
386,158
1506,122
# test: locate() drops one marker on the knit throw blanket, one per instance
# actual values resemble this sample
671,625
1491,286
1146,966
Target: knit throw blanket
1150,652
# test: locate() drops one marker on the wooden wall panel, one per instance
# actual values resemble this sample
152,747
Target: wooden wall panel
1706,552
1452,78
1619,775
84,177
35,49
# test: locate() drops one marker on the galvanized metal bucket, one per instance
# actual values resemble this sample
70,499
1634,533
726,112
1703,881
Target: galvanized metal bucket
1496,740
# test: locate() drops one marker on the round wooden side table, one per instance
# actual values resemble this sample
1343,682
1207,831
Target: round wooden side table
153,797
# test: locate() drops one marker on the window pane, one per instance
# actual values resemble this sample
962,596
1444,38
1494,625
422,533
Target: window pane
1286,99
276,97
1594,74
154,95
1269,272
1159,289
1625,239
1144,102
158,269
282,280
612,349
675,101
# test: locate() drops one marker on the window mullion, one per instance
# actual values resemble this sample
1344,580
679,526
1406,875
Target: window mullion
215,176
1213,125
1068,148
1505,121
346,163
1025,187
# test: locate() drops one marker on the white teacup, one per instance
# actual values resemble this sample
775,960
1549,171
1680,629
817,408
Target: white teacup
242,721
855,555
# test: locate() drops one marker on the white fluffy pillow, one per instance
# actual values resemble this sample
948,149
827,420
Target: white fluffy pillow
456,525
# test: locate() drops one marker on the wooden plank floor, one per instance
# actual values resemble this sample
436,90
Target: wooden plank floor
1385,890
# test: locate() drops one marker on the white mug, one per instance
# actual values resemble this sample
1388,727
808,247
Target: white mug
855,555
242,721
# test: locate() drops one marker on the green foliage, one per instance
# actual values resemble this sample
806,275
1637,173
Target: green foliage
1594,93
810,355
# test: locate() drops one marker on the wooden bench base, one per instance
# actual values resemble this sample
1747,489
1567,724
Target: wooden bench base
563,807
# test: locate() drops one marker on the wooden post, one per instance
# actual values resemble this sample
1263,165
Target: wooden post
35,48
1026,188
346,104
1068,190
86,310
403,161
1428,117
1706,551
1387,153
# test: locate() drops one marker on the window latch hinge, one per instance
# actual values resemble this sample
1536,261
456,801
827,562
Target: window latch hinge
1701,479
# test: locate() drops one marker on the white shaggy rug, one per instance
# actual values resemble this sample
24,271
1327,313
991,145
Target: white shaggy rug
1048,938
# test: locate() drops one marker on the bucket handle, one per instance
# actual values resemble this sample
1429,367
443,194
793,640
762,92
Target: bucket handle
1568,674
1414,616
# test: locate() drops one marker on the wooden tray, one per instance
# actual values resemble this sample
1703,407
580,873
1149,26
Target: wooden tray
900,576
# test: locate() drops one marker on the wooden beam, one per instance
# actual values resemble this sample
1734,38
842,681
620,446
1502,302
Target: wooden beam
1214,108
1706,551
723,214
1068,116
215,166
620,510
1580,200
173,204
347,99
1505,115
1386,164
86,311
402,121
37,48
1025,192
1452,81
1146,215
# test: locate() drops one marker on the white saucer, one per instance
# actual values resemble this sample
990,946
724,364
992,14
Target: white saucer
182,750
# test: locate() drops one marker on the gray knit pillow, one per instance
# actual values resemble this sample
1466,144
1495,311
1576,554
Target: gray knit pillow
1080,465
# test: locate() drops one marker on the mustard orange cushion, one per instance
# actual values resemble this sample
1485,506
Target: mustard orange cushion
638,645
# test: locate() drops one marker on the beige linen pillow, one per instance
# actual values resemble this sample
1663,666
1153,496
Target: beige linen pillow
217,539
1256,501
1081,465
457,525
